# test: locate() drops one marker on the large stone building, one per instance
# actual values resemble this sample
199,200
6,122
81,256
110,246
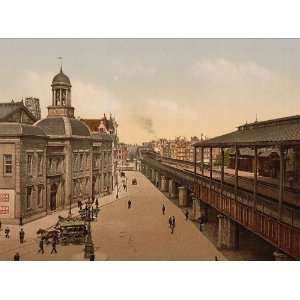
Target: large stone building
52,163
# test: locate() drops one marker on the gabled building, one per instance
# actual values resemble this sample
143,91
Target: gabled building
16,112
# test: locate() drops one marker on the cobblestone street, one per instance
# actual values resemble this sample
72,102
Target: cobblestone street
139,233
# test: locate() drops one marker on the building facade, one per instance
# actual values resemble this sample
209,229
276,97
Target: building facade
180,148
50,164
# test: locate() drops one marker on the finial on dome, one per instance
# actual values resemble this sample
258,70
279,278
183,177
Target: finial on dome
61,63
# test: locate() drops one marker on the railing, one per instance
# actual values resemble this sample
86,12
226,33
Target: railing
281,235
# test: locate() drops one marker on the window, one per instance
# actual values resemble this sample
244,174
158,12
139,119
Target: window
57,165
87,161
29,197
29,164
7,164
40,196
40,163
50,163
81,161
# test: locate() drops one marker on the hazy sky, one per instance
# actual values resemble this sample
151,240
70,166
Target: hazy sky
160,87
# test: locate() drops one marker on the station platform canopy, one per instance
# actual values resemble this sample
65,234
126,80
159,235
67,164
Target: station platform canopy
275,132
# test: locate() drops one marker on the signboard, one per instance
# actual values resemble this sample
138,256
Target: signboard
7,203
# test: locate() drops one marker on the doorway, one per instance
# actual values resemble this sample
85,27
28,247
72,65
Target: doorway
53,193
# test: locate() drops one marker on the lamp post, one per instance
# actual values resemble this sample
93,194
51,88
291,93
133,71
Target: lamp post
89,245
70,207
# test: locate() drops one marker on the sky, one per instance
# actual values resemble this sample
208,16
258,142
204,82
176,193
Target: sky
160,88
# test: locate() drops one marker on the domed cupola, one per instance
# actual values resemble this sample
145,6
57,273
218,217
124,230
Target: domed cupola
61,96
61,79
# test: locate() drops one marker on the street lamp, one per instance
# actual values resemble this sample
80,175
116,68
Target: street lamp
70,207
89,245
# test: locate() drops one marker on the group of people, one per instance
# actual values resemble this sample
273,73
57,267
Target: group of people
7,233
53,243
172,223
172,219
80,204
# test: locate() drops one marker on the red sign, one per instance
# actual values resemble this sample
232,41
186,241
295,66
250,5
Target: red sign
4,210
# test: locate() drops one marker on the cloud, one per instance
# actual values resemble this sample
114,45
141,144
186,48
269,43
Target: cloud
225,72
146,124
210,96
232,92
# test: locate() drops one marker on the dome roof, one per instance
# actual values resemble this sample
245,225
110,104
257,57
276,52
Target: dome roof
61,78
63,127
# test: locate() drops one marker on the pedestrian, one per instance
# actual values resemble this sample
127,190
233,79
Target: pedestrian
97,203
55,237
22,235
7,230
129,204
200,223
0,224
41,245
163,209
53,246
186,215
173,221
170,221
92,257
80,205
17,256
92,212
172,229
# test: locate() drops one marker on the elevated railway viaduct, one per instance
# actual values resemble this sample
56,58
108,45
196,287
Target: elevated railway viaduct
269,210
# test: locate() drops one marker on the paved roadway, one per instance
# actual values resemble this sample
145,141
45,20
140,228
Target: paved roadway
139,233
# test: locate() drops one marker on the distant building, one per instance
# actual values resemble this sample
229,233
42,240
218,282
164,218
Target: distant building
33,105
121,153
16,112
180,148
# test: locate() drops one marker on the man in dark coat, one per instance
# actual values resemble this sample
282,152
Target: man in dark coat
53,246
186,215
41,246
170,221
7,230
173,221
17,256
163,209
129,204
22,235
97,203
92,257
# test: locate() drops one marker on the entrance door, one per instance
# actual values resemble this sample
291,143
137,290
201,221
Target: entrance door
53,193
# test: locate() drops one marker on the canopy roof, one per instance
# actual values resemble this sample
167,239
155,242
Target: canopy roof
284,131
